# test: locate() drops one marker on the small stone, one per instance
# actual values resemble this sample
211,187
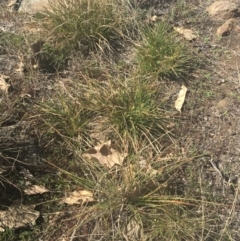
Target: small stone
33,6
226,28
223,9
222,103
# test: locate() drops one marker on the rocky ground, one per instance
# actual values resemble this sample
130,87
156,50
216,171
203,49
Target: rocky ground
210,118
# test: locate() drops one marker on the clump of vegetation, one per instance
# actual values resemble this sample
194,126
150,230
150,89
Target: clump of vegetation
65,119
162,55
87,24
130,108
52,58
11,42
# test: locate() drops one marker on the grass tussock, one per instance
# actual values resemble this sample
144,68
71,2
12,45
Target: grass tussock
131,107
87,24
65,119
162,54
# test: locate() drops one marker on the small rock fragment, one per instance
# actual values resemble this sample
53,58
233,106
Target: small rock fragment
33,6
12,3
226,28
222,103
223,9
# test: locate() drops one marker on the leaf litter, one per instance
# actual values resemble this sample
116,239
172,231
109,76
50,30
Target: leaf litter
35,189
78,197
181,98
18,217
187,33
107,154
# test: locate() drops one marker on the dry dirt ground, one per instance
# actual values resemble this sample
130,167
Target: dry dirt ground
212,113
210,119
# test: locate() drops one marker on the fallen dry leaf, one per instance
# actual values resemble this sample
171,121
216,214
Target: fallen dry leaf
79,197
35,189
3,85
17,217
187,33
181,98
107,154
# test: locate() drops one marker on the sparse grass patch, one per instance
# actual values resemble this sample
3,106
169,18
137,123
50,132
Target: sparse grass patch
161,54
8,235
65,119
11,42
52,58
134,202
182,9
